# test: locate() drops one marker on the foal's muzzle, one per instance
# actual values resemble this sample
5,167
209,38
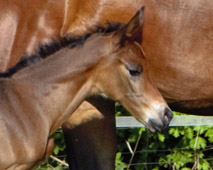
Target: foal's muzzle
161,123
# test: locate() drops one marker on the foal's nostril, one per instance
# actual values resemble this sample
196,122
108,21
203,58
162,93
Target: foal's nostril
168,115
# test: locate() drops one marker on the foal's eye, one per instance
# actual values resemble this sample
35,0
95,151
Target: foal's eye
134,70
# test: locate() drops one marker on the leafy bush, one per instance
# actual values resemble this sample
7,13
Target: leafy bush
177,148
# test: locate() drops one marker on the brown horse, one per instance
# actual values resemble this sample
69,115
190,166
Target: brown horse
177,40
180,34
40,92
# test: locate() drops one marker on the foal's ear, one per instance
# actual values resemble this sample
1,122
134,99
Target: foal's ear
133,29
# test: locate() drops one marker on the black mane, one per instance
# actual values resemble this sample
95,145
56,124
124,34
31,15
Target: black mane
45,50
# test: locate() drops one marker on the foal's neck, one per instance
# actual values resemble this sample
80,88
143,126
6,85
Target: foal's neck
61,82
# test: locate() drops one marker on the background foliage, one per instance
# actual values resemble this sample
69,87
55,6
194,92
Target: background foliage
180,148
177,148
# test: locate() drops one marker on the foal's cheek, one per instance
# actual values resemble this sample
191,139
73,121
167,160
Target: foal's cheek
137,84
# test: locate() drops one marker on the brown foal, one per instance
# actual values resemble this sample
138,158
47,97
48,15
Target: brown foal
177,40
41,91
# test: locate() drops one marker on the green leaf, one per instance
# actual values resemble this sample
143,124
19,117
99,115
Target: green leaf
119,164
174,132
156,168
189,133
185,168
204,165
161,137
198,143
141,130
118,156
59,168
209,134
56,150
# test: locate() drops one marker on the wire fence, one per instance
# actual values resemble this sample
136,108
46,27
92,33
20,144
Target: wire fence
177,121
131,122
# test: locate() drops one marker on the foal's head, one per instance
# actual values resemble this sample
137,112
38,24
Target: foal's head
126,69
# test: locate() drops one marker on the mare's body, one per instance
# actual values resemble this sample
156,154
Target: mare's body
179,32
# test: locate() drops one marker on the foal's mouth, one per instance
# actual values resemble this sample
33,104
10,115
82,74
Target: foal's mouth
161,123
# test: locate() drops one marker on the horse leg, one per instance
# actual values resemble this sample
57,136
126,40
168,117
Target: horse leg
48,152
90,136
50,147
